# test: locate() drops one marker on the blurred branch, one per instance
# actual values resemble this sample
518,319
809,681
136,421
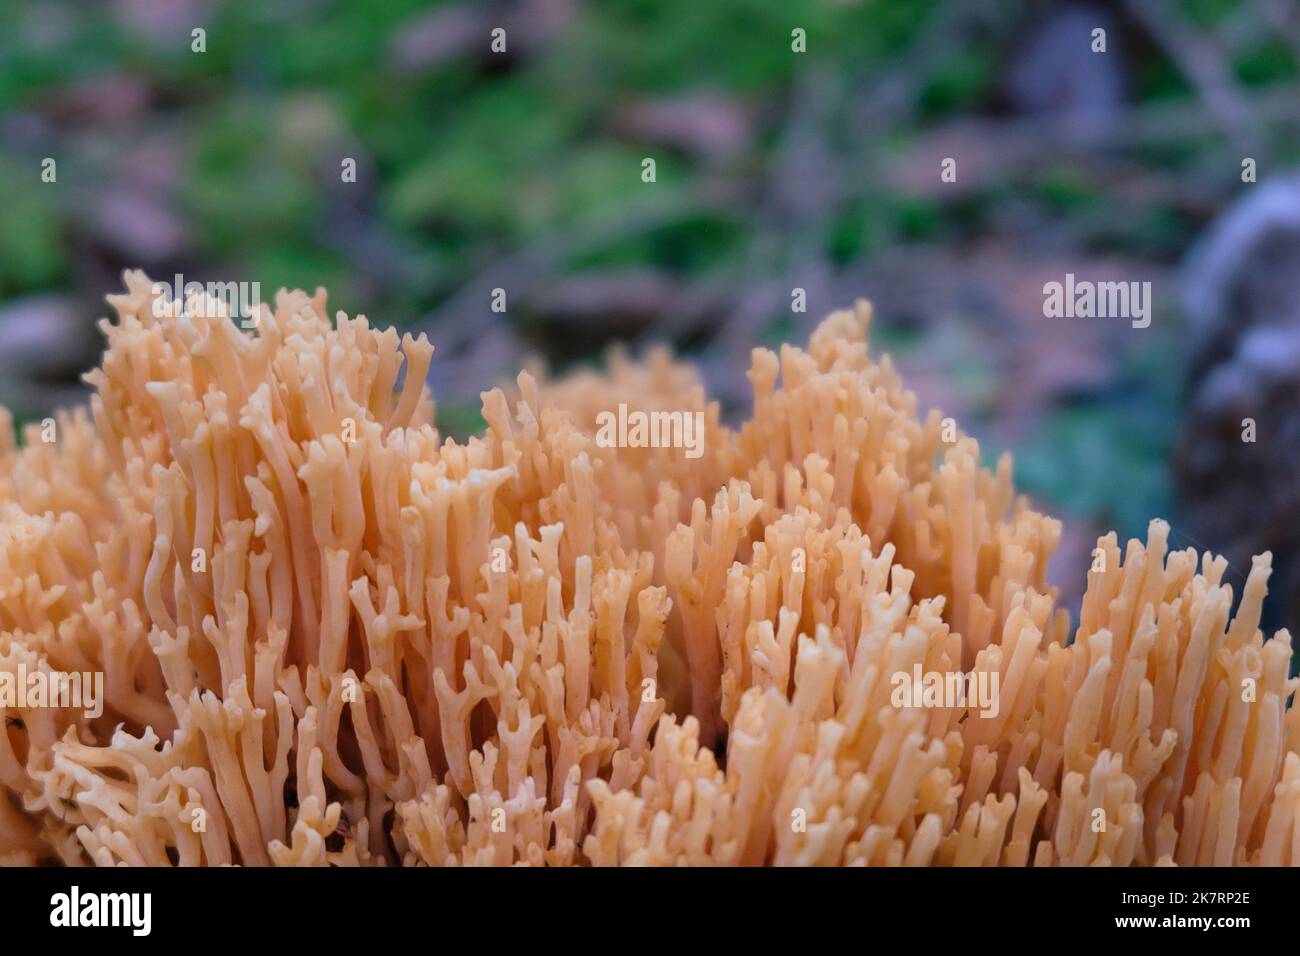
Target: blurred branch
1200,60
1031,139
896,88
800,185
993,150
812,171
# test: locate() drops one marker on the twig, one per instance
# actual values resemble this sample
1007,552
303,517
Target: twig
1200,61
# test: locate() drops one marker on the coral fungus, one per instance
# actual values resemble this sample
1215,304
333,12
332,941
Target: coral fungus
330,636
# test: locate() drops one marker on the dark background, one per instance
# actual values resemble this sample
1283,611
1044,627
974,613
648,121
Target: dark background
775,170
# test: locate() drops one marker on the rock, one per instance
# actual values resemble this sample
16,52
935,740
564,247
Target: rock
1241,496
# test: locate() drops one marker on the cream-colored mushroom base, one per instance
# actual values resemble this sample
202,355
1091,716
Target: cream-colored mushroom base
315,654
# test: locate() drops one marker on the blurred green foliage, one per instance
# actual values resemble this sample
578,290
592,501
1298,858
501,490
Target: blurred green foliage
466,161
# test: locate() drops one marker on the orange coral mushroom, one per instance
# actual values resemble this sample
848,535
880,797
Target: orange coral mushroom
330,636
